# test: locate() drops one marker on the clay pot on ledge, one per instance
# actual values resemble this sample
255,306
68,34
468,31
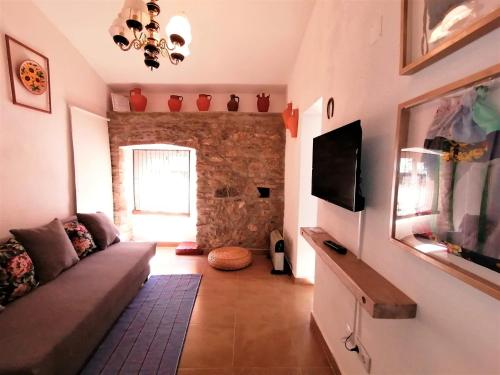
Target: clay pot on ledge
175,103
234,103
137,100
203,102
263,102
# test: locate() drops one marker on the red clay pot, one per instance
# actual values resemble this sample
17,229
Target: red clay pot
263,103
137,100
203,102
175,103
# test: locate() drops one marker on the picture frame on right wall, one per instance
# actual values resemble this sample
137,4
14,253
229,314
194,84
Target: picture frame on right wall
446,186
432,29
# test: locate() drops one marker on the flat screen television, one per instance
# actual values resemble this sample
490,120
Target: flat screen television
336,169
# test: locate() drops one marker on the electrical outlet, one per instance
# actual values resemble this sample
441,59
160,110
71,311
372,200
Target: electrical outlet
363,355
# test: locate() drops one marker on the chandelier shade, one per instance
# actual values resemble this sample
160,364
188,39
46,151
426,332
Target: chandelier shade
136,26
135,12
183,50
179,30
120,32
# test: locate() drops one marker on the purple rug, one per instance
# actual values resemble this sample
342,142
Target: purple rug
149,335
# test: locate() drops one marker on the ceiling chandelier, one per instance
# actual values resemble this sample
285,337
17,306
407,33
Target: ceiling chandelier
136,26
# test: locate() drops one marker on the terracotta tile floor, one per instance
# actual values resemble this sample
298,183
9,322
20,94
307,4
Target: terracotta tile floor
247,322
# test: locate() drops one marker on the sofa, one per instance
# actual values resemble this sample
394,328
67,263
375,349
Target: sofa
56,327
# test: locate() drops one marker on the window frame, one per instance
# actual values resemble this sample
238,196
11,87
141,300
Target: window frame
137,211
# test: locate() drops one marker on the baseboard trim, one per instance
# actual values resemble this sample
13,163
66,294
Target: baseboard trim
324,346
260,251
301,280
254,251
206,251
167,244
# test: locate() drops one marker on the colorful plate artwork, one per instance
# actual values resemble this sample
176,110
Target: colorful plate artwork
33,77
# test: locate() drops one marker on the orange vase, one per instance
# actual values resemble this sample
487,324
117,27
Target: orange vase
286,114
203,102
293,123
175,103
137,100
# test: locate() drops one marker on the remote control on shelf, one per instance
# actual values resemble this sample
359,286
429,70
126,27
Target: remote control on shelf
335,246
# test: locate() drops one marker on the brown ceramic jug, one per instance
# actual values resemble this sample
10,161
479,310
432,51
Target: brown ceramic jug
234,103
263,102
175,103
203,102
137,100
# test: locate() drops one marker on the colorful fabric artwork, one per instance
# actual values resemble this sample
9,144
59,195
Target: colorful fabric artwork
466,132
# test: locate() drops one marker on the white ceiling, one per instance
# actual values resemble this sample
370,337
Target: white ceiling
235,42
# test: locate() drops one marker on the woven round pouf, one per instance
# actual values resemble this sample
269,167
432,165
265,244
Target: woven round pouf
230,258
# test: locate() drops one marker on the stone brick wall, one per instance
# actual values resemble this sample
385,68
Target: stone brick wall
236,153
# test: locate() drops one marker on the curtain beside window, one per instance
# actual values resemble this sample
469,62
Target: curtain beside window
161,181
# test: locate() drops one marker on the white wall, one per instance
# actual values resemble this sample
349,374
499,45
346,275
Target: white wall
350,51
36,175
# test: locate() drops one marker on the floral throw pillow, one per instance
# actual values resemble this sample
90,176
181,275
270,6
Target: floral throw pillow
17,274
80,238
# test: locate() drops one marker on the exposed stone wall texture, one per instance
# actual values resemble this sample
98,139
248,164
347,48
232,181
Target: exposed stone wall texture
236,153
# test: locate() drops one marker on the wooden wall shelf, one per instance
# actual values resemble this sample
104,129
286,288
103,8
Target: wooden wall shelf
375,294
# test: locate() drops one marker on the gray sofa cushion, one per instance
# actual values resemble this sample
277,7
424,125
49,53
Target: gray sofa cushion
101,227
49,247
56,327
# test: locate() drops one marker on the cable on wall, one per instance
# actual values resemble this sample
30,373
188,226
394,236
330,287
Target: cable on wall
361,227
357,319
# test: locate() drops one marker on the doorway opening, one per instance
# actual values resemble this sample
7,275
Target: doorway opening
310,127
160,192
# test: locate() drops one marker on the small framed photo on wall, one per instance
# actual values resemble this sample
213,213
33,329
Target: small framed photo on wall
120,103
29,76
432,29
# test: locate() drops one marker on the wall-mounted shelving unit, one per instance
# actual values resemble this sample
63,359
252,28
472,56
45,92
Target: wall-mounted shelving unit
380,298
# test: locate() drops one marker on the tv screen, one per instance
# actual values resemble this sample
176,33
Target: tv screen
336,173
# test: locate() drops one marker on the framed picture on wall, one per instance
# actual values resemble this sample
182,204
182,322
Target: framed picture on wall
446,186
432,29
120,103
29,76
